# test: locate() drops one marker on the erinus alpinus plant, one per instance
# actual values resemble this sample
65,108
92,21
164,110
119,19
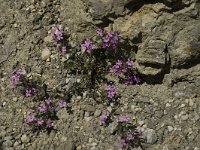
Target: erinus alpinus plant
89,63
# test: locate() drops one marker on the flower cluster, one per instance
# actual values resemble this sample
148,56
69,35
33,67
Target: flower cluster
110,91
111,39
118,68
122,118
17,75
88,46
30,91
42,115
133,79
125,69
130,139
57,34
130,135
104,118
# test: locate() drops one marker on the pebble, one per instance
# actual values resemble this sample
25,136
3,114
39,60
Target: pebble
97,113
150,135
7,143
45,54
15,99
170,128
185,117
25,139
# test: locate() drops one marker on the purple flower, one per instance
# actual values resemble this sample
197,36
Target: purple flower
99,32
123,118
118,68
30,118
63,48
40,121
110,40
42,107
129,63
141,133
21,71
48,123
103,118
122,143
14,79
126,118
51,108
130,137
110,90
28,93
57,34
134,79
88,46
62,104
48,101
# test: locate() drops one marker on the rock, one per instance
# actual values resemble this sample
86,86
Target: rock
66,146
97,113
8,47
100,9
7,144
150,136
170,128
45,54
152,57
48,39
25,138
186,47
112,127
88,108
63,114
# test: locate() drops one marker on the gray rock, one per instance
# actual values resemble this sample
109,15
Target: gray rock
63,114
170,128
7,144
112,127
97,113
150,136
152,57
186,47
107,8
8,47
25,138
66,146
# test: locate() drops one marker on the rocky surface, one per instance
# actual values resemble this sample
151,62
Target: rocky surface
165,41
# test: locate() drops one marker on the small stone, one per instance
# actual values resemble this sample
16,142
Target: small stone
87,114
66,146
141,123
16,144
15,99
150,135
88,108
168,105
45,54
79,97
63,114
25,139
48,39
7,143
112,127
88,119
185,117
97,113
170,128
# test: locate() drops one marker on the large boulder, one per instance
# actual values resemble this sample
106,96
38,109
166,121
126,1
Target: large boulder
152,57
186,50
107,8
